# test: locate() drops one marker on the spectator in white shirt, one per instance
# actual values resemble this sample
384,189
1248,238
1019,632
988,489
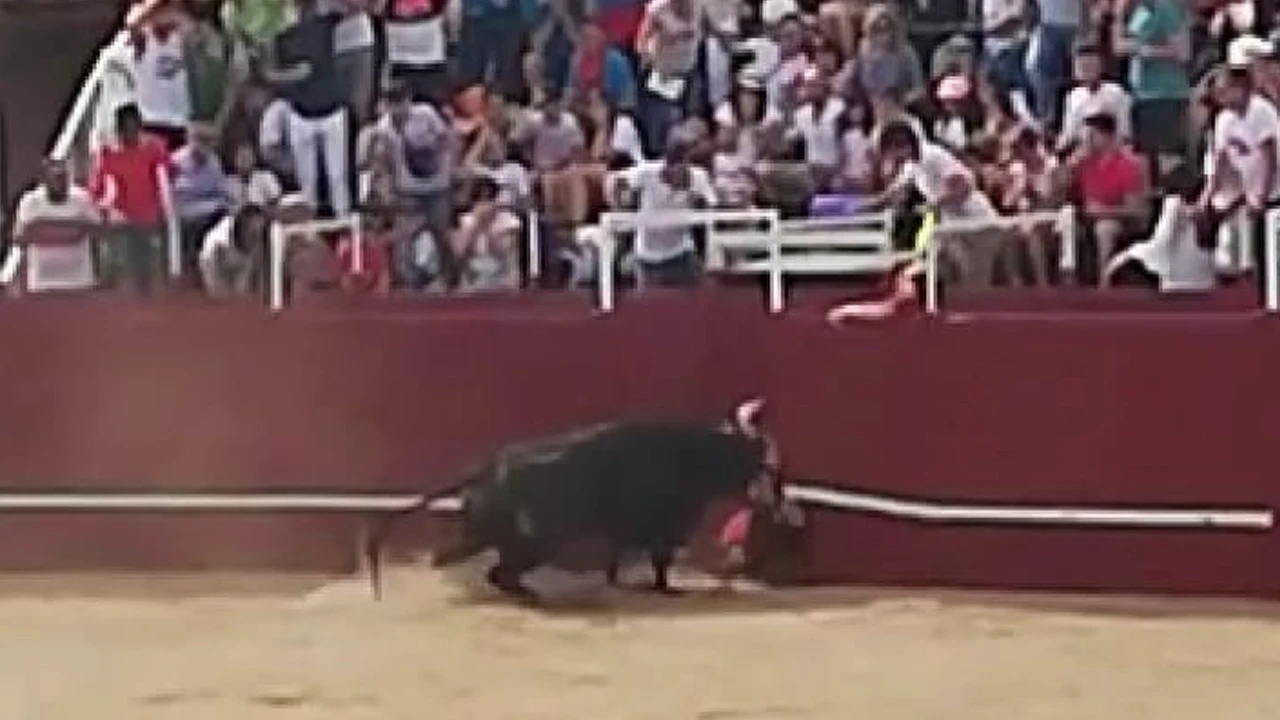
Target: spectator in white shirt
160,76
668,257
1246,158
1093,95
55,224
950,189
818,123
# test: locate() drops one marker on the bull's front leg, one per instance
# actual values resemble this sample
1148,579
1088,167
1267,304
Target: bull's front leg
508,574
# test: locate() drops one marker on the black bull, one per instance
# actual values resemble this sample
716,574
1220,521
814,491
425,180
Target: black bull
639,486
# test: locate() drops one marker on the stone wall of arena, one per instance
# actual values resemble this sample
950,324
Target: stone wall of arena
108,394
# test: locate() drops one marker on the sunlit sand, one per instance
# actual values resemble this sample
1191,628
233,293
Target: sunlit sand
249,649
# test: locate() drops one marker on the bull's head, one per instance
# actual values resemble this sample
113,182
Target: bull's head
747,420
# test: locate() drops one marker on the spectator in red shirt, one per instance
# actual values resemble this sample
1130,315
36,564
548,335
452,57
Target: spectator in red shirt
1111,184
126,181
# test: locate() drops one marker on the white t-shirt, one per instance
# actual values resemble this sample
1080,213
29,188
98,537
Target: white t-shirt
68,263
856,147
1172,252
929,176
820,131
625,138
1240,138
660,245
1083,102
160,74
417,43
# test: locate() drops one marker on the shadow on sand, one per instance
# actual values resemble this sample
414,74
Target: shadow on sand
586,595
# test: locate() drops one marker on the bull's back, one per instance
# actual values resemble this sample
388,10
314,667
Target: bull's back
657,480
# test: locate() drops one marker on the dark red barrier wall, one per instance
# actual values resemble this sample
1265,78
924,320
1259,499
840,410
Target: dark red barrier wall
104,394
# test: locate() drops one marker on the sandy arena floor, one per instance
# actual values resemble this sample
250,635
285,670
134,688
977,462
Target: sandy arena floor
81,649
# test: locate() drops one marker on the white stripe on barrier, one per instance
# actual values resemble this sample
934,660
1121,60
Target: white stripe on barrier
208,502
1031,515
957,513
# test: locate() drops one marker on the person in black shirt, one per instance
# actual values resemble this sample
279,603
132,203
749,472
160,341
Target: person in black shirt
304,70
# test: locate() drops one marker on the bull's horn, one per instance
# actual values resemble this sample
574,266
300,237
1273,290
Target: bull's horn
748,414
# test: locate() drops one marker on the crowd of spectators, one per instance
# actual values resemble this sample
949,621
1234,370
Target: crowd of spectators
450,125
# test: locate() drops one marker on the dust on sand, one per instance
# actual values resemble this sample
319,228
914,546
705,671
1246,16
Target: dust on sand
196,649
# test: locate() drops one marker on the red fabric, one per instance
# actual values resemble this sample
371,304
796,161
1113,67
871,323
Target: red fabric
590,67
132,170
735,530
1109,178
375,262
620,23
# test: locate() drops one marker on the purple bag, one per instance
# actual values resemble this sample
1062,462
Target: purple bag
834,206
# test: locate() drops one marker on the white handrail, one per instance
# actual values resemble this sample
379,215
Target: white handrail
277,248
209,502
941,511
612,223
1064,217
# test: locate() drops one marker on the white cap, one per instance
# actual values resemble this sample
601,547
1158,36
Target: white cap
1245,49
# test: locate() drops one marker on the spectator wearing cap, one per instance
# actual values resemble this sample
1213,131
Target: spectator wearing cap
1155,36
1092,95
668,257
1049,55
126,180
200,192
1262,59
1111,184
1245,168
304,68
56,222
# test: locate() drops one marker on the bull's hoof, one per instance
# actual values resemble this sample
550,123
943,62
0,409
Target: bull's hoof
669,590
512,587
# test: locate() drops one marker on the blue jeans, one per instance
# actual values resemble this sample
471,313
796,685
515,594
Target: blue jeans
1049,69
